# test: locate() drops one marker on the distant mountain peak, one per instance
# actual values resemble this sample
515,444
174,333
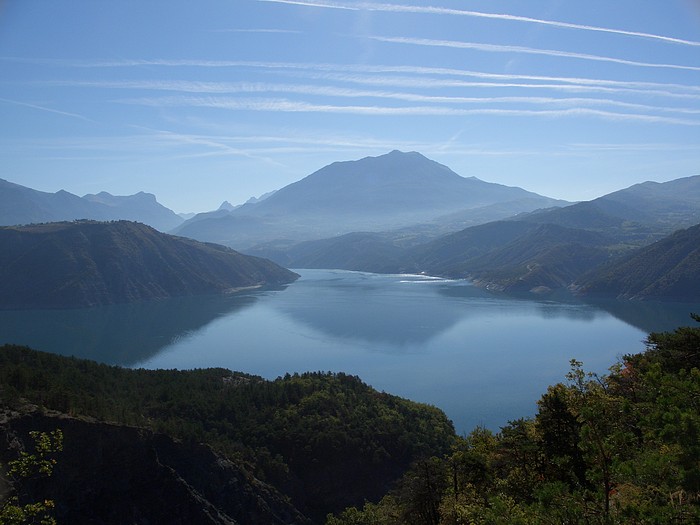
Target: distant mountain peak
396,152
22,205
394,190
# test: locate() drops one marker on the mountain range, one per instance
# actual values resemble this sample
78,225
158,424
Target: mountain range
541,251
22,205
552,249
87,263
402,212
391,191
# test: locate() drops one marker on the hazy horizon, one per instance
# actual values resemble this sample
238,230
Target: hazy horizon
267,194
207,102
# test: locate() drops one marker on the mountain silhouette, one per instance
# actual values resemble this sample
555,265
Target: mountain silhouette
371,194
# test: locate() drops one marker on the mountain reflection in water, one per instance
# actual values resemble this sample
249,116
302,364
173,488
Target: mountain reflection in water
122,334
481,357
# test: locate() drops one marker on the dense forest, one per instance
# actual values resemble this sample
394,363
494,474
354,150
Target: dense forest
325,440
601,449
616,448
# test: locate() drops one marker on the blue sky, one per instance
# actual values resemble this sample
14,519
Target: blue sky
200,102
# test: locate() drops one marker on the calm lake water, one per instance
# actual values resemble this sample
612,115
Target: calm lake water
483,359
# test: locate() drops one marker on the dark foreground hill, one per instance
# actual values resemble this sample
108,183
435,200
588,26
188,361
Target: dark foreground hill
668,269
78,264
615,449
110,473
323,440
195,447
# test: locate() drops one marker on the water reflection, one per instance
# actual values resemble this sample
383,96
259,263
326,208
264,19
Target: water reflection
393,312
557,306
123,334
481,357
650,316
386,312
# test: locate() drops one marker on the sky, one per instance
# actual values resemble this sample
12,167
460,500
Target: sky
213,100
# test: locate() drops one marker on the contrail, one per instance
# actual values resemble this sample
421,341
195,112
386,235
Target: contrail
330,91
519,49
292,106
42,108
397,8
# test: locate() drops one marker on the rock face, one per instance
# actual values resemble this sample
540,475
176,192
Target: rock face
111,474
80,264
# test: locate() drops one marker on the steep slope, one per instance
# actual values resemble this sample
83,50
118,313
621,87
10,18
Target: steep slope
371,194
641,213
109,473
22,205
668,269
324,440
545,259
514,256
450,254
70,265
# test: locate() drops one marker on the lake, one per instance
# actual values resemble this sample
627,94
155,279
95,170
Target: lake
484,359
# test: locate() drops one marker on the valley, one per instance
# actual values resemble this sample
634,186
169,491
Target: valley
464,299
401,212
343,262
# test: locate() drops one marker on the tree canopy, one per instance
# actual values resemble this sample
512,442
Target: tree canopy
602,449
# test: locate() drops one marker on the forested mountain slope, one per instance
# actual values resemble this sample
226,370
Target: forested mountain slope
640,214
617,449
613,449
113,474
324,440
668,269
85,263
514,256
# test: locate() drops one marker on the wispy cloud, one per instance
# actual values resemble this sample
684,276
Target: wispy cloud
152,144
498,48
214,146
554,84
633,147
295,106
333,91
330,70
44,108
287,31
316,3
415,77
398,8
